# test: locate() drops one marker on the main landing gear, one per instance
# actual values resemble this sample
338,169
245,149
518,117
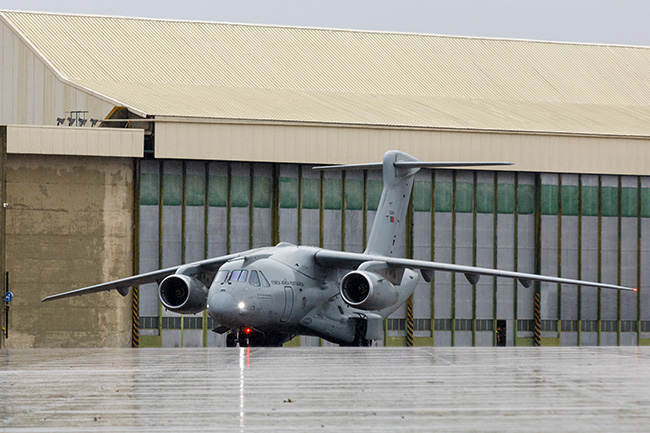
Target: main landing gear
361,326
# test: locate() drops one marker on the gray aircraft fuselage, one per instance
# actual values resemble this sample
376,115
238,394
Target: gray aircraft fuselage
279,292
288,284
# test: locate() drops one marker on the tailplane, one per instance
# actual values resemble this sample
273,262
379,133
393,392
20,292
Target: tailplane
398,171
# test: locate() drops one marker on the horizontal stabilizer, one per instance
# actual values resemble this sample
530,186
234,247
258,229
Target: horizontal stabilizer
370,166
411,164
422,164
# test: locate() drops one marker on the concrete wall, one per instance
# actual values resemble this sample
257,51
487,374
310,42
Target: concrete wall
68,224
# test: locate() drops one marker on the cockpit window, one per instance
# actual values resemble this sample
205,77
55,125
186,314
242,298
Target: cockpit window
265,282
221,276
255,279
243,276
234,276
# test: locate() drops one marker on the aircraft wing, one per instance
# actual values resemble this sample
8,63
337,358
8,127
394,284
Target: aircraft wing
122,285
353,260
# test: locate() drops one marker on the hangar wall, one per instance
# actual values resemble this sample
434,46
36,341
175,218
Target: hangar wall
591,226
32,93
68,224
339,144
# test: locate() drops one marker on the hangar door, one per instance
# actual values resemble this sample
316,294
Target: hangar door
577,226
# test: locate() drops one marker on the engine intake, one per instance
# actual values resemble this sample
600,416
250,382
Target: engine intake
368,291
183,294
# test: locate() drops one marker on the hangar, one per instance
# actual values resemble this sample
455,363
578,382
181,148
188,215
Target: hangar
133,144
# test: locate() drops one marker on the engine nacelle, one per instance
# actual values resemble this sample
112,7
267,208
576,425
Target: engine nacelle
183,294
368,291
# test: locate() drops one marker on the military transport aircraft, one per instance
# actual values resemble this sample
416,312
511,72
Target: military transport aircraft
266,296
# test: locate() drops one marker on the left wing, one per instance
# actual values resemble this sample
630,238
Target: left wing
472,273
122,285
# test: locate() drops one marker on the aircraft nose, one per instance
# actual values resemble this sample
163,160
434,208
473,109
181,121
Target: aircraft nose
222,302
222,307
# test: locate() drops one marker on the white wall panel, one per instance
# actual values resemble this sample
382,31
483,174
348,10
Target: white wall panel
175,138
63,140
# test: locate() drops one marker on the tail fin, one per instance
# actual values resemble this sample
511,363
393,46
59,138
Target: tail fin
398,171
391,212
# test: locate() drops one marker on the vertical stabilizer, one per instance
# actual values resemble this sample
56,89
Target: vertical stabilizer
391,213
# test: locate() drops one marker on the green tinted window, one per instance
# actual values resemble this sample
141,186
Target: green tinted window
609,201
374,193
590,200
149,189
288,192
526,199
485,197
218,191
240,191
354,194
629,202
310,193
172,189
422,196
195,190
506,198
332,193
550,200
443,196
262,192
464,196
645,202
569,200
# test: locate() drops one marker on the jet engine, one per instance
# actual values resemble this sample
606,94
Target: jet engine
183,294
368,291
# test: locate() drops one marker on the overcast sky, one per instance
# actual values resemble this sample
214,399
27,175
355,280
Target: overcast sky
625,22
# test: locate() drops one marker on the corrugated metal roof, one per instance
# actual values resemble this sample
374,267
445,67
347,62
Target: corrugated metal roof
213,70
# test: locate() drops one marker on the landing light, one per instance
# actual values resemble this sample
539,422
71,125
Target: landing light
241,305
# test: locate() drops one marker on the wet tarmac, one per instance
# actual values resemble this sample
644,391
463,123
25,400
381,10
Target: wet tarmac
326,389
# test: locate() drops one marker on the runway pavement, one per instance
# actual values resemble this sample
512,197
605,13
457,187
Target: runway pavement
326,389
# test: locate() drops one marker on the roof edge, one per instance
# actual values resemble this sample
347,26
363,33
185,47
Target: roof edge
332,29
161,118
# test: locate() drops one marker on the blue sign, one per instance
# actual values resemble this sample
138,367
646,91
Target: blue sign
9,296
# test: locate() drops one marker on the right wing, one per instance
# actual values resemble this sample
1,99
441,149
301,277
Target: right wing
122,285
472,273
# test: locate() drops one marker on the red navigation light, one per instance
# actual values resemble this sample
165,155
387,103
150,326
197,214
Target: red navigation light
248,331
636,289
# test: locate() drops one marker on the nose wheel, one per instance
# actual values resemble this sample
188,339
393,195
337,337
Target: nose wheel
231,340
244,337
247,337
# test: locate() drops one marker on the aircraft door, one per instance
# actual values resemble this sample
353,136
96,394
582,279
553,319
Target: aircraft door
288,303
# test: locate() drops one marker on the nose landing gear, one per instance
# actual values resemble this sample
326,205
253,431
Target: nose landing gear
244,336
249,337
231,340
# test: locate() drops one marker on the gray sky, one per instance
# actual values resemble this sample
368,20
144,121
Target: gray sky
600,21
